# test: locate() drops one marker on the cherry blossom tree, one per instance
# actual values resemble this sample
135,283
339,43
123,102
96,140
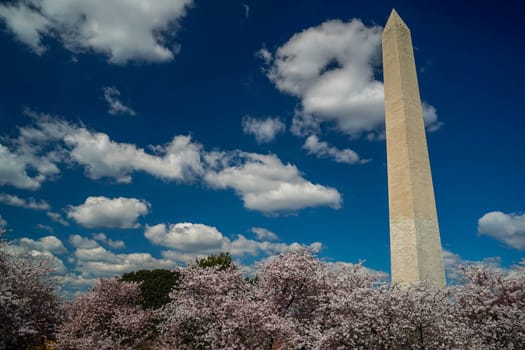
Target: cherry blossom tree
108,317
219,308
294,301
388,317
301,302
491,306
28,303
347,306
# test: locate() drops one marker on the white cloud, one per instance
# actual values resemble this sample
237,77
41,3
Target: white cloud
264,130
507,228
143,34
56,263
30,203
266,184
28,25
50,244
242,246
3,223
99,262
430,117
322,149
454,264
91,261
264,54
43,248
185,237
101,237
189,241
72,280
57,218
45,228
102,157
186,242
116,106
27,154
80,242
263,234
13,171
109,212
183,257
123,263
330,67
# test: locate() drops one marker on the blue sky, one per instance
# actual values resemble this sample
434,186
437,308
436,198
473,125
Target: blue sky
143,135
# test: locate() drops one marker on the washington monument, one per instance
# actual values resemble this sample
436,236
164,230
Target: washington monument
415,245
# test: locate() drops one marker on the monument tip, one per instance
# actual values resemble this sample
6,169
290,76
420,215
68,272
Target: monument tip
395,19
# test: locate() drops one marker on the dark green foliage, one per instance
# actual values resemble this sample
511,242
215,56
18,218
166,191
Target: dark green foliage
222,262
156,285
253,280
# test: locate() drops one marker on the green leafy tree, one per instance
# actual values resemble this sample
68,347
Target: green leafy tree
155,287
222,262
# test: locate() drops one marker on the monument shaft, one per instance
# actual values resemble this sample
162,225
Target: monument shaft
415,243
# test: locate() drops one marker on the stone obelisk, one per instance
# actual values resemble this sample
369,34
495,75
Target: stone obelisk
415,245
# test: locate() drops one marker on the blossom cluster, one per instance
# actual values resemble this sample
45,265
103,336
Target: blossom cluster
294,301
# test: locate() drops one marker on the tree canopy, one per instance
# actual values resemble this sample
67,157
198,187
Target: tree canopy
29,306
298,302
222,261
155,285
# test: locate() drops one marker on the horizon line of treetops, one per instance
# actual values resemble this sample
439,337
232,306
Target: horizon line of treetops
295,300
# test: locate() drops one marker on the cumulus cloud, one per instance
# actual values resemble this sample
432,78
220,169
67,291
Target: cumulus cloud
330,68
56,217
454,264
322,149
50,244
28,25
116,106
185,237
506,228
56,263
262,181
25,161
264,130
91,261
101,237
78,281
143,34
109,212
99,262
263,234
96,152
430,117
30,203
187,241
45,228
265,55
102,157
266,184
242,245
80,242
44,248
13,171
